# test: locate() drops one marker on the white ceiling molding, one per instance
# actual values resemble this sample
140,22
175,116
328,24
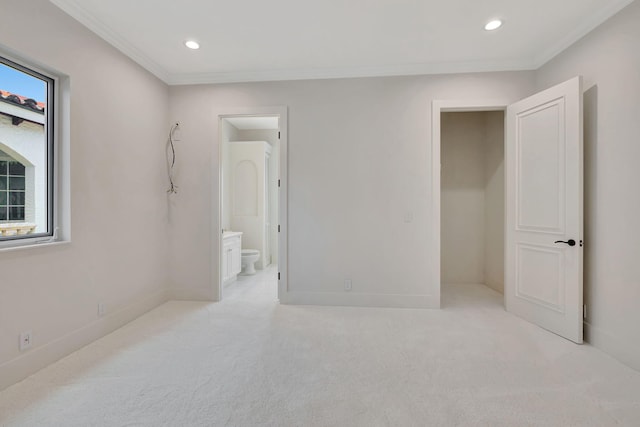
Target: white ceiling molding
77,12
610,9
340,73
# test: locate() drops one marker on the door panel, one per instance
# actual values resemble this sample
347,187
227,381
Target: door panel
543,153
539,278
540,147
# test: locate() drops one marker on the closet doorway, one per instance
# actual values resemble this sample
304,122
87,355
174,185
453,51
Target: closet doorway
542,202
472,200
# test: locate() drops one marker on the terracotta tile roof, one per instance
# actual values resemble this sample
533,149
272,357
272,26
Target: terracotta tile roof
32,104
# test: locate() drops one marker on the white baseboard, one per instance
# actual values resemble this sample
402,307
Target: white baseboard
624,350
37,358
355,299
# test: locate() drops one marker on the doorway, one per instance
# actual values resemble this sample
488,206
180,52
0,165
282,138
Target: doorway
472,202
252,203
543,203
450,224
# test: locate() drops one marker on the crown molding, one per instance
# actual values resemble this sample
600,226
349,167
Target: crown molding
612,7
352,72
76,11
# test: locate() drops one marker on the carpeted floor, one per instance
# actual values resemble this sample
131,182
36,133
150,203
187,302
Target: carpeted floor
251,362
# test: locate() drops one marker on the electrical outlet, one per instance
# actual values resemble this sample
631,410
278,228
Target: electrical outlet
347,285
25,340
102,309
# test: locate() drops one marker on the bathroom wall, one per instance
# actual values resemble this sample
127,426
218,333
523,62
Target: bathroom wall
231,133
271,136
247,166
472,198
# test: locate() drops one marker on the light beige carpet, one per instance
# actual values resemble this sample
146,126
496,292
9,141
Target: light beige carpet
251,362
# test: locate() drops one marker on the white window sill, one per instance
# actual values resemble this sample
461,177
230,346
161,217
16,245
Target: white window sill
32,245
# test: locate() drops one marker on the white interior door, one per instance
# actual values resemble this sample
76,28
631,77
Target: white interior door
544,208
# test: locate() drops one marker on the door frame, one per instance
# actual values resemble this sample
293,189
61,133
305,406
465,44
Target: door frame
283,204
437,108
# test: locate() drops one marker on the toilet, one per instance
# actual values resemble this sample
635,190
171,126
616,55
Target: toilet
249,258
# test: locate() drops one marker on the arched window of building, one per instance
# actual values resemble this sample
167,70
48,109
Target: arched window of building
12,189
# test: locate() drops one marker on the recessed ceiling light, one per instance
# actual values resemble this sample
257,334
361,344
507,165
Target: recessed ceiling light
192,44
493,25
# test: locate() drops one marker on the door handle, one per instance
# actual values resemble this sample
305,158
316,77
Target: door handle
569,242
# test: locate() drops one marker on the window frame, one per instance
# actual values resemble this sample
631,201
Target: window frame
51,148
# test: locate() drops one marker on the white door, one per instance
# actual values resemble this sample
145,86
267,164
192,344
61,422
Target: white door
544,207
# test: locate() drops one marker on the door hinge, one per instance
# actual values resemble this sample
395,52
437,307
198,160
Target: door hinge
278,276
278,228
278,134
278,183
584,311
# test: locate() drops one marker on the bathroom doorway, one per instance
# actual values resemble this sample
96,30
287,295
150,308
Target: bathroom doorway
252,223
472,205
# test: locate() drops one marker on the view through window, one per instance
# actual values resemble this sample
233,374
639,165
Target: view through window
26,143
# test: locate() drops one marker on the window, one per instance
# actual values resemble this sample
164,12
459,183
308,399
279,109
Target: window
12,190
26,153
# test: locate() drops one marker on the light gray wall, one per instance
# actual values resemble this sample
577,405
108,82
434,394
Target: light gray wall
472,198
609,60
359,161
119,218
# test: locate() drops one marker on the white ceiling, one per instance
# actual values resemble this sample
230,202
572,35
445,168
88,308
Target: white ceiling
254,123
257,40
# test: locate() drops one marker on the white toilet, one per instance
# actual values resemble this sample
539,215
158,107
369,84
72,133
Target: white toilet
249,258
